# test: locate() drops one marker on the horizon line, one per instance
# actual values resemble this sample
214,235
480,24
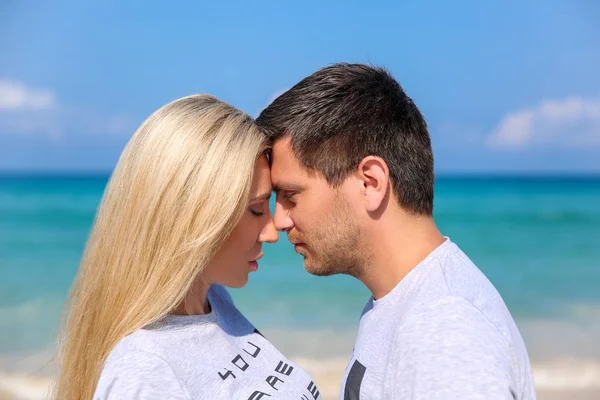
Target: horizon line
10,173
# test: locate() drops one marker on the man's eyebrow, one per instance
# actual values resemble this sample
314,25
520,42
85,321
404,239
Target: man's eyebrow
265,196
287,187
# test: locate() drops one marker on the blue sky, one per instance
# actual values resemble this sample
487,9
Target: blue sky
508,86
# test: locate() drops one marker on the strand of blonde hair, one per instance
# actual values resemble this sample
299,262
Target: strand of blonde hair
180,186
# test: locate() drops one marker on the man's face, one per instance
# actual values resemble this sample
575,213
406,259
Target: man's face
320,220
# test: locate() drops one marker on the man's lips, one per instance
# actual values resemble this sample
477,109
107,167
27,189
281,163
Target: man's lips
298,246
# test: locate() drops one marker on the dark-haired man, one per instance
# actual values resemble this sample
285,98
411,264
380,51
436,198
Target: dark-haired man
352,167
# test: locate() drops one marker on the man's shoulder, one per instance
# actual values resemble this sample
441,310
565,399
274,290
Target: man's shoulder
446,272
450,326
452,321
456,282
446,307
461,275
448,343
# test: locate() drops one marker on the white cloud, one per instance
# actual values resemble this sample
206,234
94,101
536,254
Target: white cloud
15,96
37,112
572,122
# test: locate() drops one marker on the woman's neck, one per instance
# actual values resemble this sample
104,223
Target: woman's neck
195,301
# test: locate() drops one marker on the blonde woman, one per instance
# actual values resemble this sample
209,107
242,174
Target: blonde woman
184,214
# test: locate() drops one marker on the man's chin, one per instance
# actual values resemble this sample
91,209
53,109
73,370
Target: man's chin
318,270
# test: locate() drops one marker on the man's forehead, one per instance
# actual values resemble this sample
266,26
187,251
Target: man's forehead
287,179
283,158
282,150
287,173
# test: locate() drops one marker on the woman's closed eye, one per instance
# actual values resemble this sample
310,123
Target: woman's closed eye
257,210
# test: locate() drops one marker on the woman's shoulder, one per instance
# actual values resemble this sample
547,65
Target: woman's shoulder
147,351
142,344
129,371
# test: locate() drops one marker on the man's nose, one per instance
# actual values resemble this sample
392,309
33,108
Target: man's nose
282,221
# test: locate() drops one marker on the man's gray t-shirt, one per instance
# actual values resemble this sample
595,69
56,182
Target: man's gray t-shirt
216,356
443,332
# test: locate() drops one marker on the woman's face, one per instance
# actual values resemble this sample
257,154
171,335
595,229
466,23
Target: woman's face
238,256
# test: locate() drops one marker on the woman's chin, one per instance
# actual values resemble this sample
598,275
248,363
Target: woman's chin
237,283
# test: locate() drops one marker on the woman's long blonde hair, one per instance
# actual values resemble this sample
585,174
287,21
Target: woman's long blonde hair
178,190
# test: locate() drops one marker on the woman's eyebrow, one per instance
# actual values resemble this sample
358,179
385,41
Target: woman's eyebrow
265,196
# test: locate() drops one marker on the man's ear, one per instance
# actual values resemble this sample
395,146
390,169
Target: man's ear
375,175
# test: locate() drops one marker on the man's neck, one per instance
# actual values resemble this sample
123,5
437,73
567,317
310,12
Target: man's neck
398,244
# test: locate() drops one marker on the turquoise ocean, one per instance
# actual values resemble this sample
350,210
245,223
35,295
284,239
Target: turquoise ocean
537,240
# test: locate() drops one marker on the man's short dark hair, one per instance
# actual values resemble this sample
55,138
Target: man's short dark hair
346,112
